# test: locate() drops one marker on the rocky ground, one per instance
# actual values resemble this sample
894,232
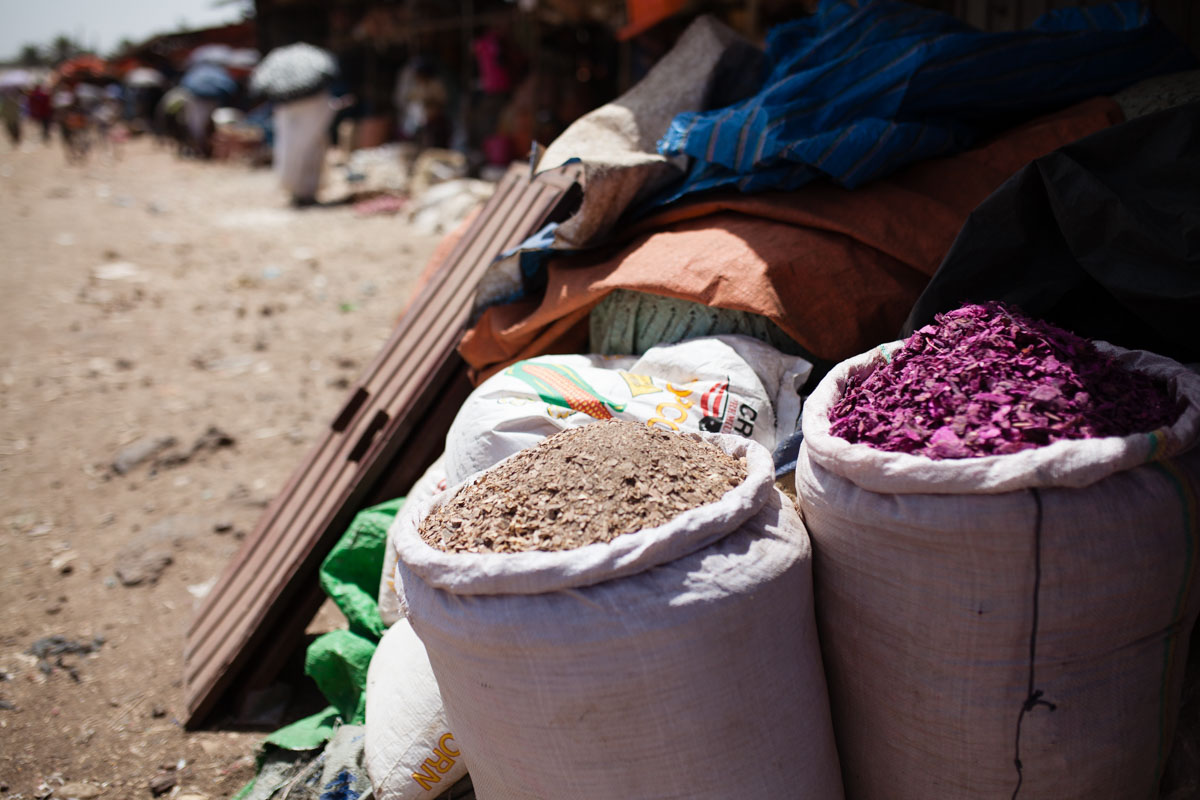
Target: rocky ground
174,339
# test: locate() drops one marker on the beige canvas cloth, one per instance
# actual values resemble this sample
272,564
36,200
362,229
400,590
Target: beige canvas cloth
676,662
1033,607
618,142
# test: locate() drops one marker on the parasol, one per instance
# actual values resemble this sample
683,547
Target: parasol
293,72
243,58
210,54
15,79
210,82
144,78
82,67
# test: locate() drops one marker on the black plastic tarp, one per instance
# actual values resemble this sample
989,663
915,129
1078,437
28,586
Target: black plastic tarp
1101,237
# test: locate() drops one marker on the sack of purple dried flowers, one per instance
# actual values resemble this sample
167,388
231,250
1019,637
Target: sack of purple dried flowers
988,400
986,380
1006,534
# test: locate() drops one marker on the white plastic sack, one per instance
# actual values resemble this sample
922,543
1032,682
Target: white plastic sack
715,384
675,662
429,484
1034,606
410,752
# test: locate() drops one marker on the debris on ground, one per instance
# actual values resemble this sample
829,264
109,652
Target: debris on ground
140,451
443,206
147,555
380,204
63,563
78,790
210,441
135,568
120,271
241,494
163,782
56,646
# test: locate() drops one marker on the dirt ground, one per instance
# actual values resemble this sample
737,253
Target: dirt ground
143,298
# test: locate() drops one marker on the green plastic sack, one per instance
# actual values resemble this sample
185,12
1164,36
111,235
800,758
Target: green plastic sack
338,660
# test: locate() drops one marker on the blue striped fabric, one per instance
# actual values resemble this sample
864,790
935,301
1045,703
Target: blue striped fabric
854,93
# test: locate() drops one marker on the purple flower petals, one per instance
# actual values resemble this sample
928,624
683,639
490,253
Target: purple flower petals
985,380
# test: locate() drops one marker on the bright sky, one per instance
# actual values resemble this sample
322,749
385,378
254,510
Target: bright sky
100,24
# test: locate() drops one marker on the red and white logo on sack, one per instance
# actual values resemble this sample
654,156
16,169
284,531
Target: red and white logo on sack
716,416
712,406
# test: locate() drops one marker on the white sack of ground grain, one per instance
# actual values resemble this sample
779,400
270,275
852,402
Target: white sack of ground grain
622,611
409,750
715,384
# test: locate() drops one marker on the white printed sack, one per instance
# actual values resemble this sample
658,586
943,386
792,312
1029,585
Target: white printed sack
715,384
429,484
674,662
1005,626
410,752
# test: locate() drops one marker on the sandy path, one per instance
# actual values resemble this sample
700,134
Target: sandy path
153,297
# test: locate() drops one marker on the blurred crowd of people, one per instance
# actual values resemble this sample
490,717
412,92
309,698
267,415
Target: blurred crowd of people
289,107
85,115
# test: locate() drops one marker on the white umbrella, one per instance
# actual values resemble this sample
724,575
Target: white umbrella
218,54
144,77
293,72
15,79
243,58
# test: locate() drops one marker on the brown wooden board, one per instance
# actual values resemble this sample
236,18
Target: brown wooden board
392,426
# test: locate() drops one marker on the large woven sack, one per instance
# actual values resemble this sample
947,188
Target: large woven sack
409,751
429,484
675,662
1006,626
718,384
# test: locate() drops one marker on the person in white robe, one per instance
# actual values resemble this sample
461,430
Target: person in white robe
301,141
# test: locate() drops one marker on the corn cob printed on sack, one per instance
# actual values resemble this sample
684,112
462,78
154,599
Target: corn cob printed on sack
678,661
1010,625
715,384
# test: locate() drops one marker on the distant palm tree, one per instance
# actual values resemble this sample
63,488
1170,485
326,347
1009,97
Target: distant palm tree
31,56
124,46
245,6
63,47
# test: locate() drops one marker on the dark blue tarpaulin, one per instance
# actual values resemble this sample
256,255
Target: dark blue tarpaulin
854,93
